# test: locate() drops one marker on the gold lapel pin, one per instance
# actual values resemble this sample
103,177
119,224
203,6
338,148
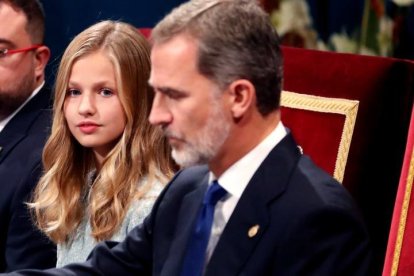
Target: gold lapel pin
253,231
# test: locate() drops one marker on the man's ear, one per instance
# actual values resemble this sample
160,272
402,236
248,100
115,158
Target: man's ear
42,56
243,95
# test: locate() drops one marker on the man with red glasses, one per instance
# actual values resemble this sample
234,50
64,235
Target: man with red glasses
24,120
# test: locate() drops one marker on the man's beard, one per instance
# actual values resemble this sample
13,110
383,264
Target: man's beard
12,96
207,141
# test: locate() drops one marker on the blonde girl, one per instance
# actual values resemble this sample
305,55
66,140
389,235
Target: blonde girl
104,163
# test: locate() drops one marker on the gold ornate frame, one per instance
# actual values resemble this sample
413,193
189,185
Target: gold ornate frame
346,107
403,217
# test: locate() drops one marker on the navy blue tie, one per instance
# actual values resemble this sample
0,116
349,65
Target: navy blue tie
196,249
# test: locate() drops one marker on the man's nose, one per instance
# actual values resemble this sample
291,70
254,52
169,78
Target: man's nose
160,114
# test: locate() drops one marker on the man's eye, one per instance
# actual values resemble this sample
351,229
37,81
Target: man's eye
3,52
73,92
175,95
106,92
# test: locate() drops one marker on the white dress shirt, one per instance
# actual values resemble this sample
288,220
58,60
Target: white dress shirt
235,179
4,122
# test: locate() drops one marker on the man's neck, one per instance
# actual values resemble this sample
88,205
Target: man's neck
242,140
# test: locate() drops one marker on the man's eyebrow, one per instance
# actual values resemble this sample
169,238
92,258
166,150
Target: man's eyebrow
7,42
169,90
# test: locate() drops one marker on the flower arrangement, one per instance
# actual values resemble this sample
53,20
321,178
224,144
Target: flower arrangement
379,32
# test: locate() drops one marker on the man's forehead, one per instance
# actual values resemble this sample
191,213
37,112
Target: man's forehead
174,59
177,45
16,16
13,25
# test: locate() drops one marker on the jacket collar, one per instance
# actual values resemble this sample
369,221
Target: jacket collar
19,126
251,215
191,203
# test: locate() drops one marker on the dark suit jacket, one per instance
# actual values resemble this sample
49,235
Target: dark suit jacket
21,142
308,225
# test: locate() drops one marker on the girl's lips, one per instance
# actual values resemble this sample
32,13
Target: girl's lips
88,128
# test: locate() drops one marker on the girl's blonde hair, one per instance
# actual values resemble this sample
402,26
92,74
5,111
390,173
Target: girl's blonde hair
63,197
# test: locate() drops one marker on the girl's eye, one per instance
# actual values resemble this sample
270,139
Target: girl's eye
73,92
106,92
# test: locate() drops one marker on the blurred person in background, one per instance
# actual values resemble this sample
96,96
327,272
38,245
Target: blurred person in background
24,124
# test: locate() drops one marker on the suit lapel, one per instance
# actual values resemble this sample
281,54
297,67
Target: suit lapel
8,142
250,218
186,218
19,125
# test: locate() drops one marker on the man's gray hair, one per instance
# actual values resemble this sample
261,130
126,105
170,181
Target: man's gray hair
236,41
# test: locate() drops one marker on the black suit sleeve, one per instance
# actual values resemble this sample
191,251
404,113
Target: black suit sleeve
25,245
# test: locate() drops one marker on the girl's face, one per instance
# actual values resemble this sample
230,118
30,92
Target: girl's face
92,107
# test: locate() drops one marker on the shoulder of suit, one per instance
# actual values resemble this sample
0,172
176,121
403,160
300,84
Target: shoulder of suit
191,173
321,184
188,177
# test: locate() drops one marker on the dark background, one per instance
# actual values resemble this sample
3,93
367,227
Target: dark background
65,19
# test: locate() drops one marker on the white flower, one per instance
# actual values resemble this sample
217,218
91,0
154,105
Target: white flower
320,45
384,36
403,2
367,51
292,15
343,43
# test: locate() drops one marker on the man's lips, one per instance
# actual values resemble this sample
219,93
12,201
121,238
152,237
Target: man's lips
173,140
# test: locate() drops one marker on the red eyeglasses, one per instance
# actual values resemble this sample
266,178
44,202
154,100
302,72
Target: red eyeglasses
5,52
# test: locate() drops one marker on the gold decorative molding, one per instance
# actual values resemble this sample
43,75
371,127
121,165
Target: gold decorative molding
348,108
403,217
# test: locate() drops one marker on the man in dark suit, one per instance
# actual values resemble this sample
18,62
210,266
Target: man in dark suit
24,120
248,202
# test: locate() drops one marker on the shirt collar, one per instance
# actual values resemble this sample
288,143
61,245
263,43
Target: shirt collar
4,122
235,179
